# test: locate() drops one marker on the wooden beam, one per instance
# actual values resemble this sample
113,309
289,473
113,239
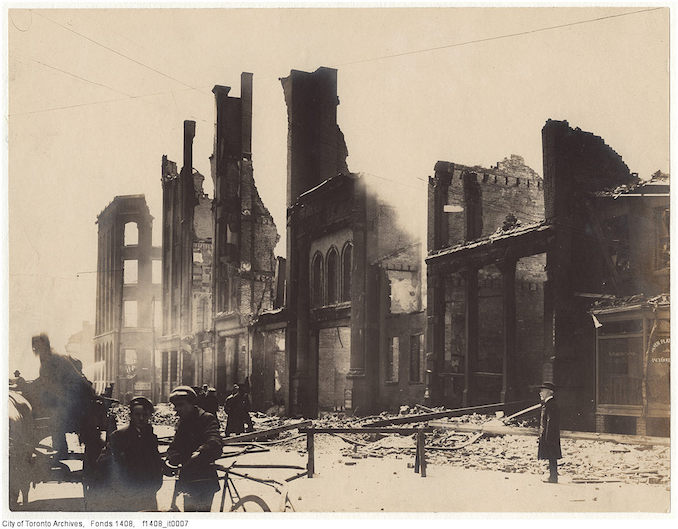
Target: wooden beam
264,434
522,412
424,417
367,429
492,428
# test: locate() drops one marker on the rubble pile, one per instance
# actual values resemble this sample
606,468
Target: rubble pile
583,461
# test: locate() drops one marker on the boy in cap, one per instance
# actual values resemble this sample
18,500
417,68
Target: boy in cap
196,444
134,464
549,430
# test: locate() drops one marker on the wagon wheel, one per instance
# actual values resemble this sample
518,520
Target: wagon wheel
250,503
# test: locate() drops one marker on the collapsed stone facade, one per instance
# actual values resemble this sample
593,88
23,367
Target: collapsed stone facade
244,240
350,271
126,294
184,342
510,285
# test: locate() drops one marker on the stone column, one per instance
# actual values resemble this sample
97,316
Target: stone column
438,238
471,346
436,334
509,371
356,374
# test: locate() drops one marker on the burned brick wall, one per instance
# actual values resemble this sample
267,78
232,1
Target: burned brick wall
244,240
510,188
476,203
316,149
577,165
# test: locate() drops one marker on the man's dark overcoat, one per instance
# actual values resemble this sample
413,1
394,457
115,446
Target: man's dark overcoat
199,432
549,431
238,409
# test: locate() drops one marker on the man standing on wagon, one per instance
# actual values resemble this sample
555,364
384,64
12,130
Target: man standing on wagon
196,445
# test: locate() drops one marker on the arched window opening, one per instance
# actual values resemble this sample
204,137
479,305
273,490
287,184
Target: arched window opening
131,234
346,267
332,276
317,281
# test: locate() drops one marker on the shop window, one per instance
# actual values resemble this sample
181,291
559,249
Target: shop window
317,281
392,359
620,370
346,269
332,276
662,259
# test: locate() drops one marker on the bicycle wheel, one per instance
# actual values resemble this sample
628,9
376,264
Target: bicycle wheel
250,503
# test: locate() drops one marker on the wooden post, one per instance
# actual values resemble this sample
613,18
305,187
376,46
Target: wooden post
421,440
310,465
417,456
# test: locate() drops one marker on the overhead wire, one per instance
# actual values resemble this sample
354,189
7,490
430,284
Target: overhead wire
497,37
113,50
66,72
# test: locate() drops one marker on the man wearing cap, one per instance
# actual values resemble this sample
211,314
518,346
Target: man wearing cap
135,467
549,430
196,444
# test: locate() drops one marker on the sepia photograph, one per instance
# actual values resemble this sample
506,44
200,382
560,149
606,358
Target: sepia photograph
335,258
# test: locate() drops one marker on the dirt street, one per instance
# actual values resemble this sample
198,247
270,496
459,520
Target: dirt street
349,480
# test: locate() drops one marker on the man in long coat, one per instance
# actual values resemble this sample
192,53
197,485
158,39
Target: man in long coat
549,430
237,406
132,464
196,444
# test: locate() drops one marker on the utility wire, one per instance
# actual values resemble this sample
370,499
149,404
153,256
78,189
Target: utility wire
89,104
497,37
112,50
70,74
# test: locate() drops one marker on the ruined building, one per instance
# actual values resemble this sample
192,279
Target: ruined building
128,288
184,342
354,325
244,238
517,265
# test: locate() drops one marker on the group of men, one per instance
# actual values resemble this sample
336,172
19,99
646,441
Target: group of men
129,469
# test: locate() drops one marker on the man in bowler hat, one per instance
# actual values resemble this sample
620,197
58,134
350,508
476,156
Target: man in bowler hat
549,430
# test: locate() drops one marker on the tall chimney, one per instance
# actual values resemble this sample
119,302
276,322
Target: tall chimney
189,134
315,146
246,114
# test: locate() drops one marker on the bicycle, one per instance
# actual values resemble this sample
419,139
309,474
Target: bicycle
247,503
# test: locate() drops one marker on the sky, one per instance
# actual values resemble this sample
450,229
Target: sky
97,96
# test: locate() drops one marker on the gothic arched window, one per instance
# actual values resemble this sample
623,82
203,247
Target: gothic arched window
317,281
332,276
346,267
